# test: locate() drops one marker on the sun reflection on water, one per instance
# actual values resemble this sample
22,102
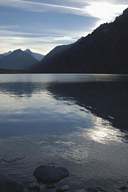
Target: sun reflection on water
103,132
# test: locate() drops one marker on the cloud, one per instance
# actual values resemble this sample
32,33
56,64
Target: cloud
36,6
113,1
67,21
40,42
105,11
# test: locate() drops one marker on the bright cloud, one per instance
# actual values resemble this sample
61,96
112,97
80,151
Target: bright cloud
105,11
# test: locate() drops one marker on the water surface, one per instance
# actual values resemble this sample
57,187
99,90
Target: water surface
76,121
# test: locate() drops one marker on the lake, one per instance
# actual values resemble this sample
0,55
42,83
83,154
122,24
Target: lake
76,121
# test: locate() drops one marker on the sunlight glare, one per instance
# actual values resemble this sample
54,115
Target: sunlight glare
105,11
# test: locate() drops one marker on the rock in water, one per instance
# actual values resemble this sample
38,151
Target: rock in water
50,174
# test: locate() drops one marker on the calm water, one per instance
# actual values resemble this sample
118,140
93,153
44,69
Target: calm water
76,121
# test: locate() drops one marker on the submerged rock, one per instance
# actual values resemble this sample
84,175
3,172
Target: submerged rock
50,174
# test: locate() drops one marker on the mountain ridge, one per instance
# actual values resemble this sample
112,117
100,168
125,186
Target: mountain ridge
102,51
18,60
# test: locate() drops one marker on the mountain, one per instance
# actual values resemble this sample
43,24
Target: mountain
5,54
1,55
37,56
16,61
102,51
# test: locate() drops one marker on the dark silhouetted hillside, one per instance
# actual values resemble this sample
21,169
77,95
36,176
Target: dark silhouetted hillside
105,50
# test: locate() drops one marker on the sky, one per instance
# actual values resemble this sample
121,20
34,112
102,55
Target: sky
40,25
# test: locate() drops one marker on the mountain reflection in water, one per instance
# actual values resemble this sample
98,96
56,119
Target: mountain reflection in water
108,100
105,99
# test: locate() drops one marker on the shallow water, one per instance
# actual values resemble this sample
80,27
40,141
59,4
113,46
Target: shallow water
76,121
